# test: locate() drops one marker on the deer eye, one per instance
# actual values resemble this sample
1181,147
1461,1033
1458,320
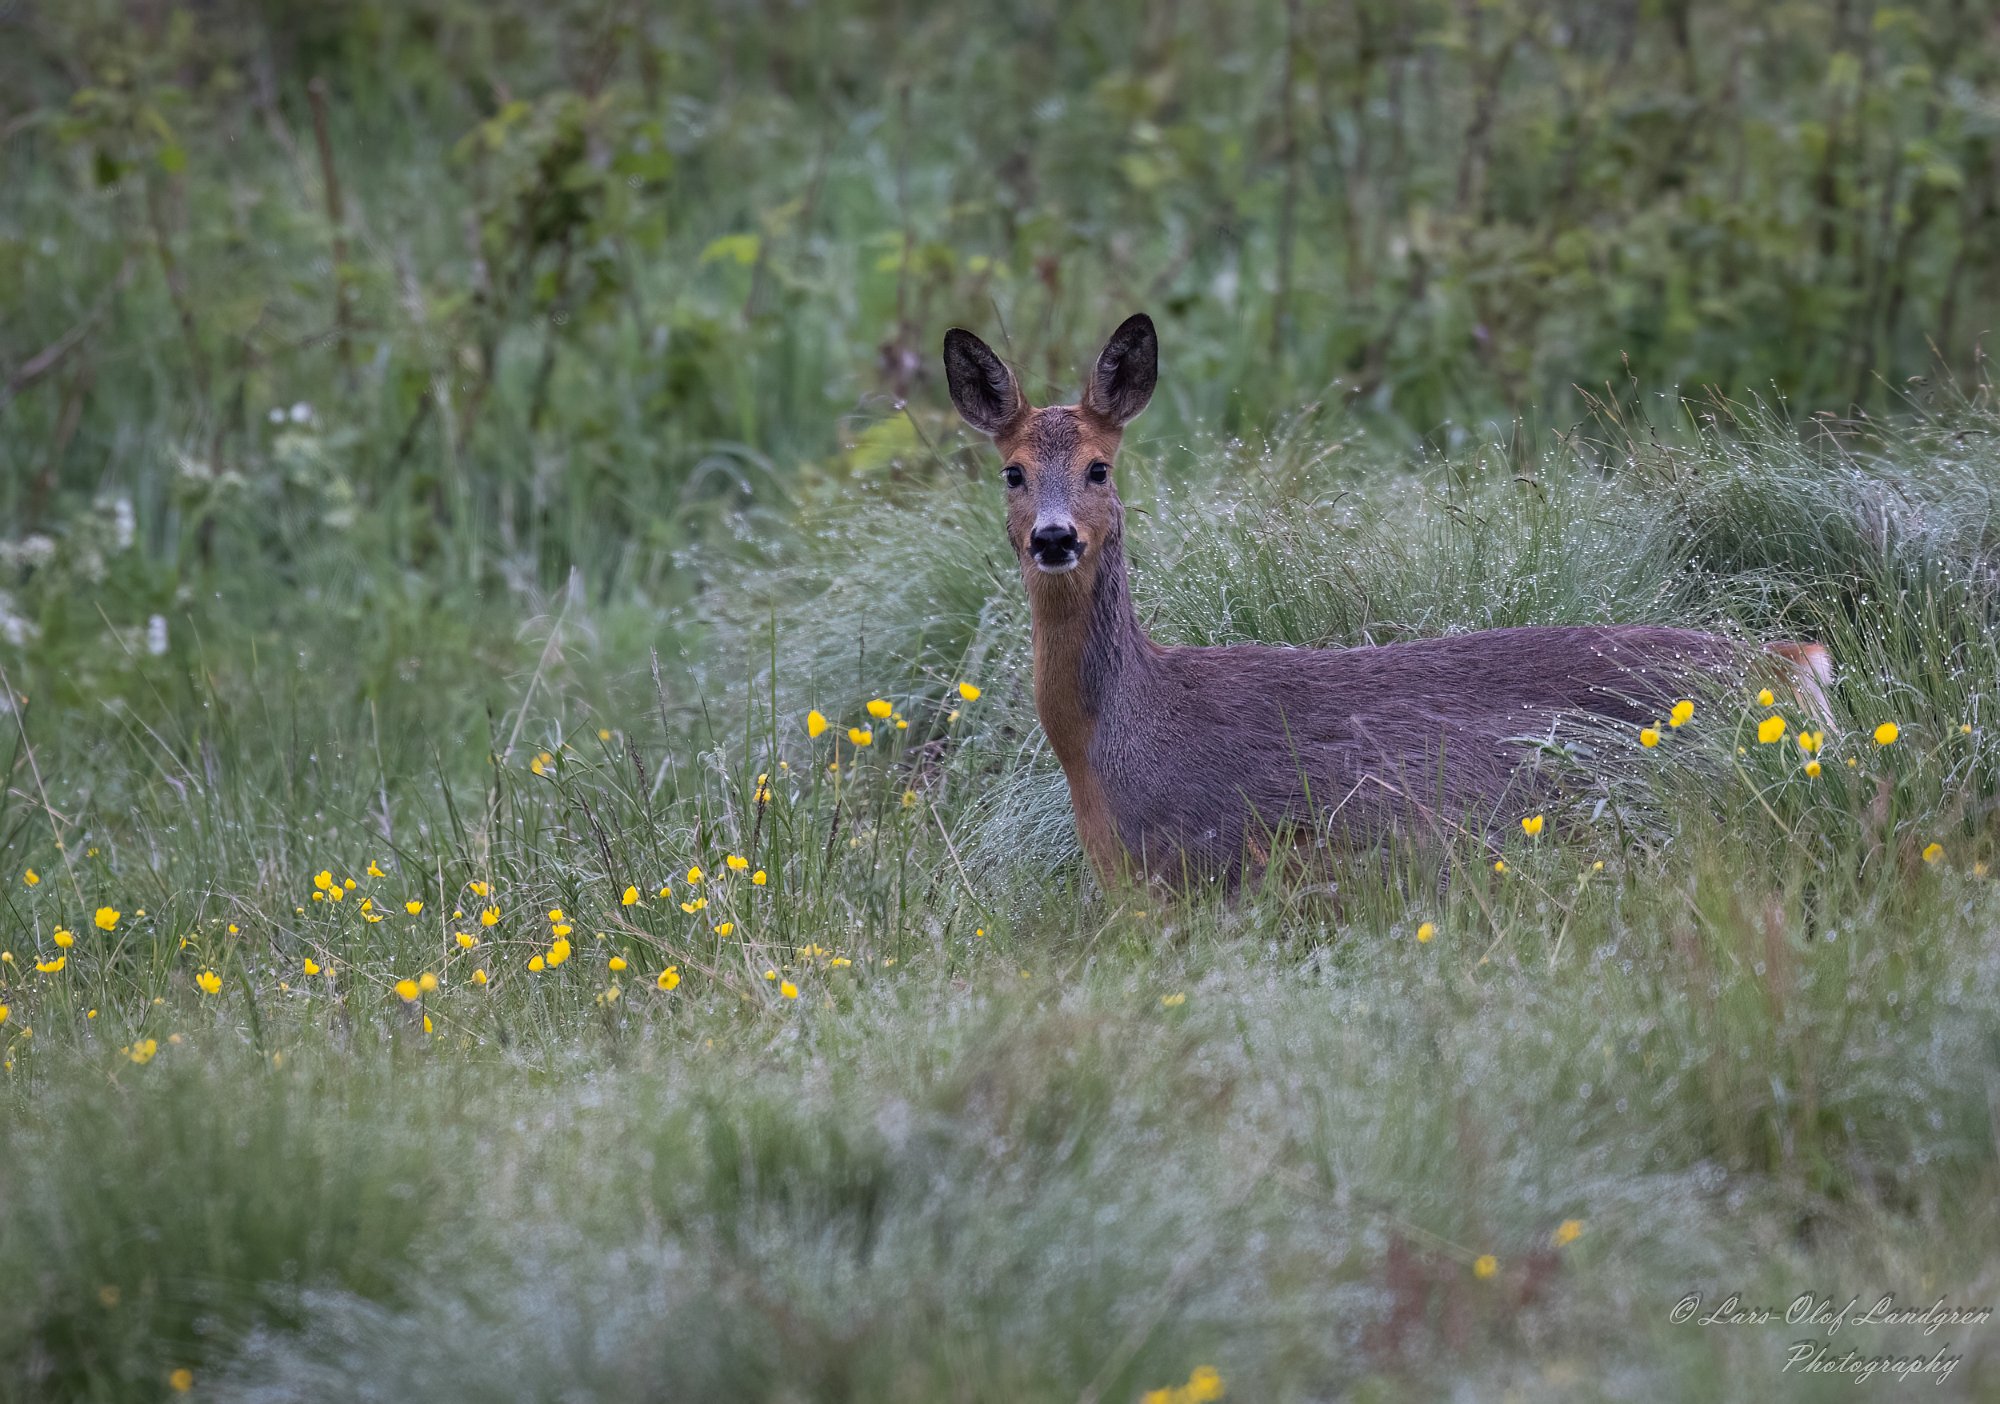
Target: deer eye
1013,474
1099,471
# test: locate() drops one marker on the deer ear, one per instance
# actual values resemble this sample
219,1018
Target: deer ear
1126,371
982,387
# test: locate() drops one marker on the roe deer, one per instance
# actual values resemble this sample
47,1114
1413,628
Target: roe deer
1184,763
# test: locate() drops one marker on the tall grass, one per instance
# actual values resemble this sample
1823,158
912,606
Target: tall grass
1015,1136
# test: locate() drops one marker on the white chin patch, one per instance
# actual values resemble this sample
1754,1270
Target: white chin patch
1064,569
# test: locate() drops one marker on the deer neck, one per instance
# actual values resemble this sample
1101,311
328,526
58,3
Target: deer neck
1088,643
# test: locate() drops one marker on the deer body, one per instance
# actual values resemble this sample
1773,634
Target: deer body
1189,763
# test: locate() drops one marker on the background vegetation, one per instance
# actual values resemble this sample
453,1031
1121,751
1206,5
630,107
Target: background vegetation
447,445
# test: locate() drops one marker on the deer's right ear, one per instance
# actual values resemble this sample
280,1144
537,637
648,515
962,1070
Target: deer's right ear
982,387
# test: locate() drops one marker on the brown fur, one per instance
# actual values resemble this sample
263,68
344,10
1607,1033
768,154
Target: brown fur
1183,763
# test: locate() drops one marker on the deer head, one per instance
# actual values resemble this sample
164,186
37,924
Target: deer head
1062,508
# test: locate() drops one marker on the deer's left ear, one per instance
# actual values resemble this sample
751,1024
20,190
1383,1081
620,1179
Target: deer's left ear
1127,369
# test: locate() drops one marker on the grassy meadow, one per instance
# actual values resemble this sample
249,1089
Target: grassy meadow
528,869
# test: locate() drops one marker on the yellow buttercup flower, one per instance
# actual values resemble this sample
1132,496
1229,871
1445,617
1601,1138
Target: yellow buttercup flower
1531,825
1649,736
789,990
724,928
968,692
629,898
561,928
107,918
815,724
1568,1231
736,864
31,877
1765,699
1485,1265
479,977
64,939
615,963
311,966
4,1012
536,963
478,889
1499,865
1173,1001
181,1381
1886,734
669,978
52,967
143,1051
558,953
413,906
407,990
694,876
209,982
465,942
1811,741
541,763
696,905
323,879
490,917
880,709
1933,852
1682,713
427,982
1812,770
1203,1386
375,869
861,735
759,877
1426,931
1769,730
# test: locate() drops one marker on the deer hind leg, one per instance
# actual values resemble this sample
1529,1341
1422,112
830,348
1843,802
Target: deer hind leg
1808,674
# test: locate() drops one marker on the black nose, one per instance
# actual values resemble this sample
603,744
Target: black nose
1053,542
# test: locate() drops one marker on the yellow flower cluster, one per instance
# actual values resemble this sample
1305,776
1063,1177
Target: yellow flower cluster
1204,1384
879,709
